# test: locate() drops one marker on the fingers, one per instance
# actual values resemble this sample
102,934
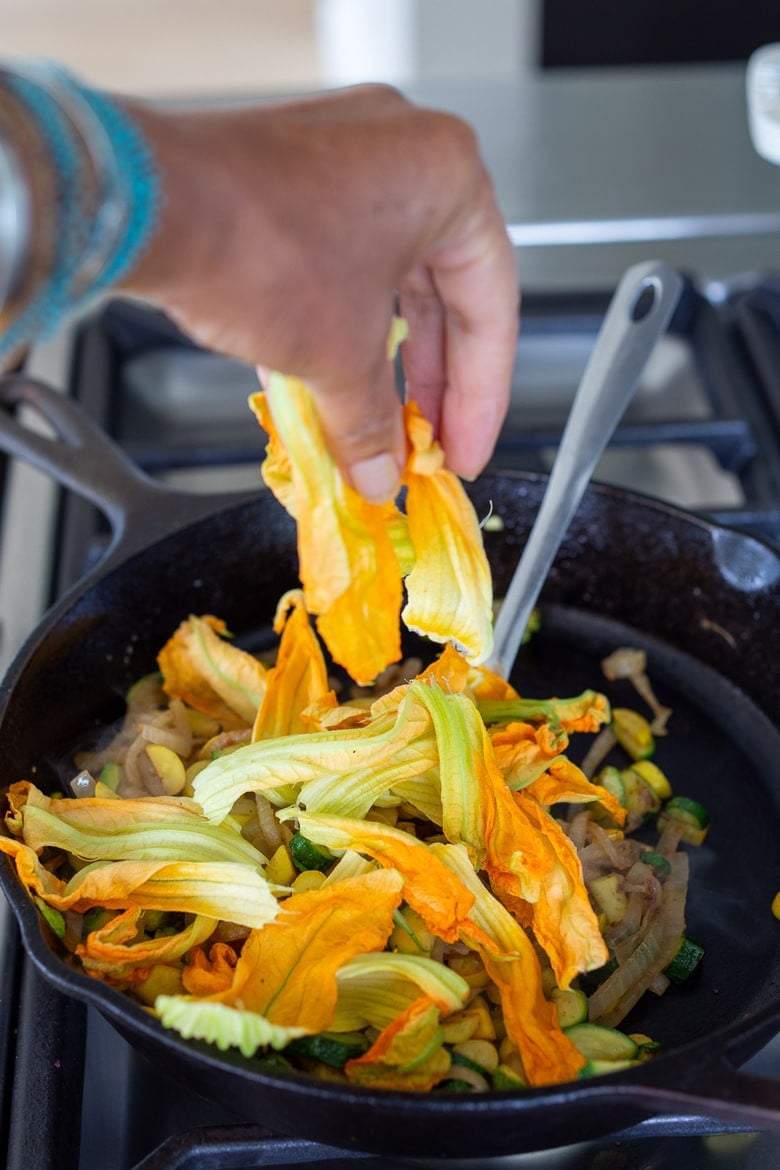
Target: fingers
463,316
424,351
363,427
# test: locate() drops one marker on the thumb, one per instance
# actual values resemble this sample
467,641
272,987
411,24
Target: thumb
363,426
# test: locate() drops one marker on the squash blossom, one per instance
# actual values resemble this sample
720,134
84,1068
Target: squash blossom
354,557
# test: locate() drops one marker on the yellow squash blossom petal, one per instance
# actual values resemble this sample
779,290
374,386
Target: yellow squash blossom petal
564,921
299,677
347,562
116,953
586,712
270,764
221,1025
524,751
353,795
145,829
375,989
235,893
287,971
408,1054
548,1056
204,670
449,590
563,781
528,857
210,973
429,888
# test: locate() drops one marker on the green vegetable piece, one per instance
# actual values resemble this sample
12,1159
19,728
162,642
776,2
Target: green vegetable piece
689,810
52,917
685,962
597,1042
96,918
455,1086
632,731
571,1005
590,980
641,799
331,1048
110,775
467,1062
690,816
659,863
145,681
611,778
598,1068
506,1078
306,855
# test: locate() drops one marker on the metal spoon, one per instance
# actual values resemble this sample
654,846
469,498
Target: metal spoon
638,314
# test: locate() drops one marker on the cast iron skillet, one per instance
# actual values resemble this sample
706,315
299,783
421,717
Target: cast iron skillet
703,601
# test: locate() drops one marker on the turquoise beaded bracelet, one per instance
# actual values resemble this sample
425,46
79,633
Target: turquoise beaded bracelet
81,127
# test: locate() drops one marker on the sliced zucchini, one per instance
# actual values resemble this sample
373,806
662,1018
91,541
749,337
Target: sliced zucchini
653,775
685,961
690,816
648,1048
481,1053
641,798
598,1068
306,855
610,778
658,862
633,733
331,1048
506,1078
54,918
572,1006
110,775
610,897
458,1058
597,1042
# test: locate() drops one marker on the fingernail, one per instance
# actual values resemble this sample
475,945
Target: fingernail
376,479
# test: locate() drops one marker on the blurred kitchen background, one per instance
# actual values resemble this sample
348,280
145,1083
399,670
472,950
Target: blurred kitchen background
606,124
186,47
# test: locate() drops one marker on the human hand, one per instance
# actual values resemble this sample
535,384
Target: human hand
290,234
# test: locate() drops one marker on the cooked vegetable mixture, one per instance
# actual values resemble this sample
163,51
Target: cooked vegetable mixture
404,891
410,886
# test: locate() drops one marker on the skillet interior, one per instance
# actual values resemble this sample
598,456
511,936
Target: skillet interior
629,573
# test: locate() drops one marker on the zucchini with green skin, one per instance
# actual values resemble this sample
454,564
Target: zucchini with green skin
685,962
571,1006
611,778
641,799
688,815
597,1042
306,855
333,1049
659,863
633,733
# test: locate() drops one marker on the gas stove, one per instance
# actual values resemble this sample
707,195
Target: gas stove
702,432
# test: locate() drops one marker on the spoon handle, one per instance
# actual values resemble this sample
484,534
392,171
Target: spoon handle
638,314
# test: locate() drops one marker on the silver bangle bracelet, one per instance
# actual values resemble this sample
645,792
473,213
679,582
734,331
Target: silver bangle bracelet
15,222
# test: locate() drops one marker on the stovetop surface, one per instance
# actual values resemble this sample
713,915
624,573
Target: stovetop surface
702,432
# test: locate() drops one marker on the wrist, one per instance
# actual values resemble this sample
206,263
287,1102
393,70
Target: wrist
91,195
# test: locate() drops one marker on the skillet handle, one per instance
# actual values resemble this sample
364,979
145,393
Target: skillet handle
80,456
707,1083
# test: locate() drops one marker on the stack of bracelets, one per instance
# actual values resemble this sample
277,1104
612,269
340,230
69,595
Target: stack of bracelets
79,198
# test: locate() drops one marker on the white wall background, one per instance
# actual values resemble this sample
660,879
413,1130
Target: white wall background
253,46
